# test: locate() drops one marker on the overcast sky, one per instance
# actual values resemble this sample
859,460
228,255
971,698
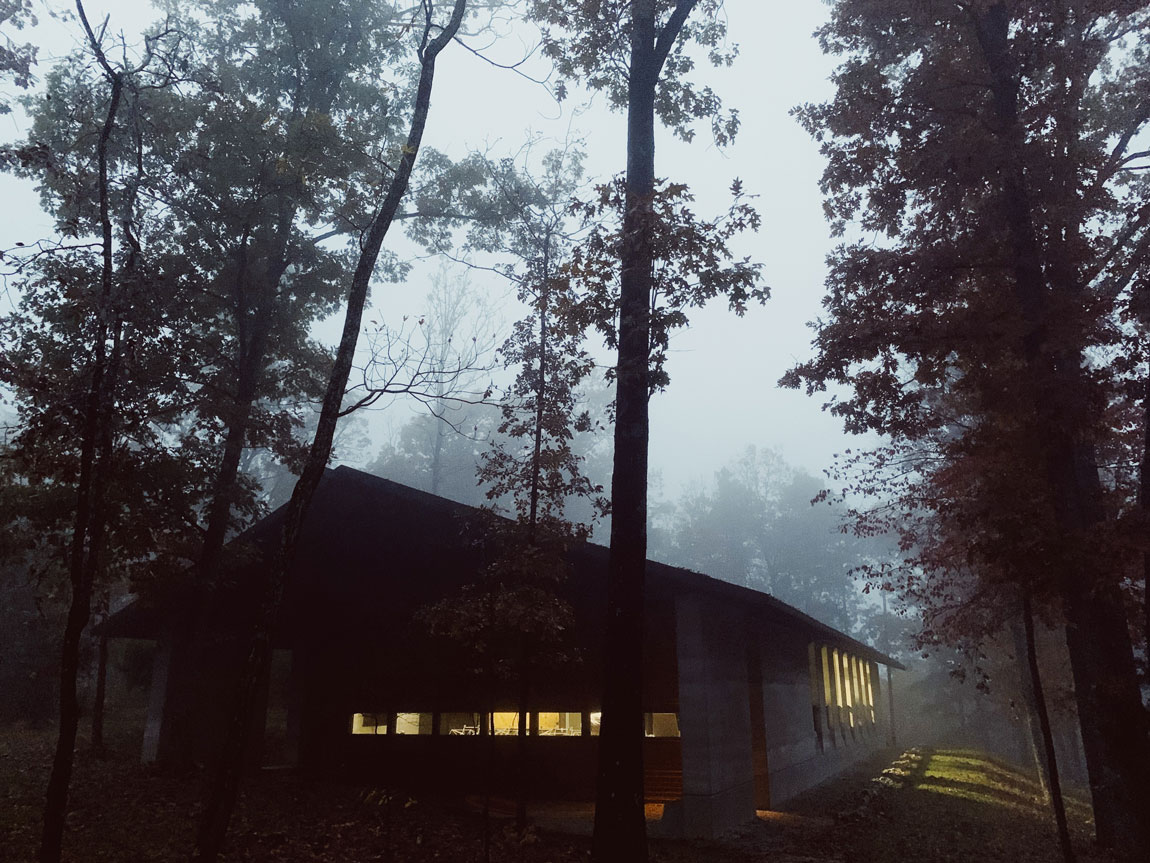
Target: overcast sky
723,370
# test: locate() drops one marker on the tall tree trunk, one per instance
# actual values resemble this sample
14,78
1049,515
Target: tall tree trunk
532,533
620,831
1109,704
255,292
1037,703
225,785
540,388
254,297
1031,731
1144,507
620,827
87,529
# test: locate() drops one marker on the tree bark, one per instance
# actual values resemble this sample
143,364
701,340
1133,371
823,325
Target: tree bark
1031,731
226,781
87,529
254,296
253,327
1037,701
620,831
540,387
1144,508
1109,704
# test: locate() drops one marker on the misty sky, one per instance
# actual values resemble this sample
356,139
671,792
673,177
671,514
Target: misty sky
723,370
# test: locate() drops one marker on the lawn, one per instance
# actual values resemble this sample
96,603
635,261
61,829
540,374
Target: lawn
921,805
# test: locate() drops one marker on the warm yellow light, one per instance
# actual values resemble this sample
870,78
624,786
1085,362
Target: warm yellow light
832,720
870,691
506,722
369,723
661,724
413,723
840,703
843,687
560,724
856,700
975,796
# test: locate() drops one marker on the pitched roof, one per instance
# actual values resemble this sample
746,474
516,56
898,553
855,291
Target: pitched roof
361,527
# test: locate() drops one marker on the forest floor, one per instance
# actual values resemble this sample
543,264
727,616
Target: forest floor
923,805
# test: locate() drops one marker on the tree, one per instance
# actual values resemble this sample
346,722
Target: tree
635,53
443,356
263,156
276,140
95,357
764,524
988,147
530,465
432,37
16,60
440,455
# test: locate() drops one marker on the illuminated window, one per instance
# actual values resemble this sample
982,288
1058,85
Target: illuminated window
816,693
560,724
828,694
413,723
870,691
459,724
856,682
505,723
369,723
595,720
840,702
661,724
849,701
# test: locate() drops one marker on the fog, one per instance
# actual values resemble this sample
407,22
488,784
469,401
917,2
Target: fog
737,463
723,395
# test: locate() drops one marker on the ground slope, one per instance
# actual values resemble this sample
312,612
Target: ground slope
920,805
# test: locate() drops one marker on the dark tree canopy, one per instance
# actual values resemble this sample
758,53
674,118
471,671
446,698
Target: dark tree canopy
16,58
981,168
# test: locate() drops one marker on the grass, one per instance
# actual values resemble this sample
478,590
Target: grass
944,805
959,805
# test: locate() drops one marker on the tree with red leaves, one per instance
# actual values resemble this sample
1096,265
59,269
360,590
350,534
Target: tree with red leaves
985,150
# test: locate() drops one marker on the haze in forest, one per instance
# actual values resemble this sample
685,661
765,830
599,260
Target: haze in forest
932,229
723,397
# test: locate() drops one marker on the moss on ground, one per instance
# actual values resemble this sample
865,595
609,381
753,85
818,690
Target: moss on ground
960,805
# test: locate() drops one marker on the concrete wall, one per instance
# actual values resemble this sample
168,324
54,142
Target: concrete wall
791,740
795,758
719,649
714,717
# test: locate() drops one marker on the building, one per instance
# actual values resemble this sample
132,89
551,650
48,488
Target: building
749,700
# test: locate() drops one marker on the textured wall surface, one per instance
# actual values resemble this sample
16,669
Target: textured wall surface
714,717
